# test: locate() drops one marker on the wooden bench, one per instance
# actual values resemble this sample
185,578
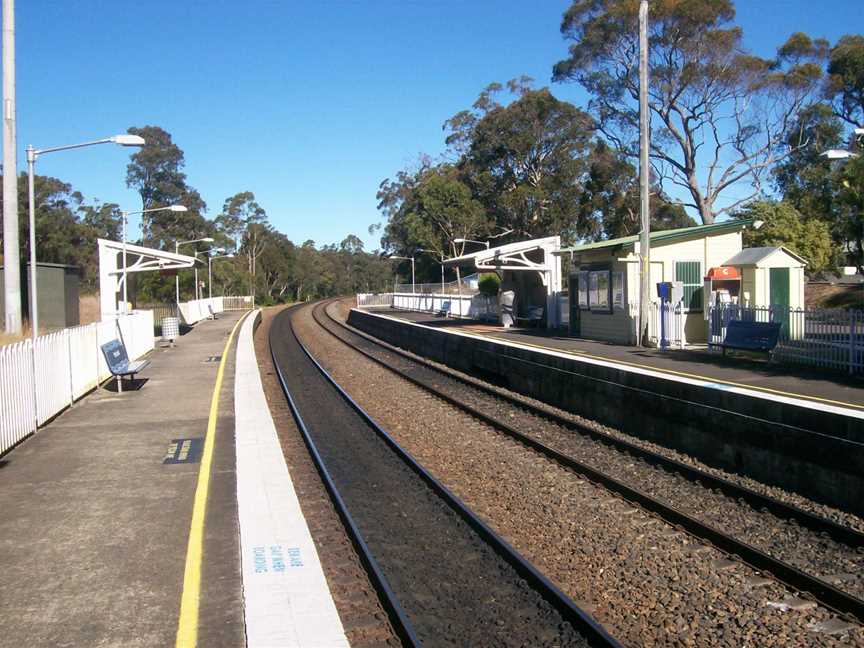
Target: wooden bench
751,336
118,362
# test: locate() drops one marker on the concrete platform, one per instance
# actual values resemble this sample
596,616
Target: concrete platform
96,511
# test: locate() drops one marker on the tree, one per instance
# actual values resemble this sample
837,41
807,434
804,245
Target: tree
721,114
844,87
851,206
784,225
609,203
238,212
525,161
155,171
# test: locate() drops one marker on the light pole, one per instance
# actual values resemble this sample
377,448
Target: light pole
230,255
177,244
644,135
125,217
32,156
411,259
442,264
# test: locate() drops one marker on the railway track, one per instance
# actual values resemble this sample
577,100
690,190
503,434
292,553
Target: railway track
810,544
444,577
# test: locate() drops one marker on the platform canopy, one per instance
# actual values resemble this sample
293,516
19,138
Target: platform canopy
138,259
515,257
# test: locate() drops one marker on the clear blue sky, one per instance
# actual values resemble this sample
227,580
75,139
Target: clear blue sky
307,104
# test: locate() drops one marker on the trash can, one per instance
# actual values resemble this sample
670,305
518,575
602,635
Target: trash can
170,329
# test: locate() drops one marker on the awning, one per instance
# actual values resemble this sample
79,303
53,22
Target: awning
720,273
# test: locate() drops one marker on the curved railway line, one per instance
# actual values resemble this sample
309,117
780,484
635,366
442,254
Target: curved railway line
444,577
810,554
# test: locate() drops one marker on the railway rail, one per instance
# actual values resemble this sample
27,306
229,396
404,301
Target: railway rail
444,576
816,535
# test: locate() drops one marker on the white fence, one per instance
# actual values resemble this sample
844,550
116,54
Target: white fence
243,302
468,285
371,300
474,306
69,363
831,338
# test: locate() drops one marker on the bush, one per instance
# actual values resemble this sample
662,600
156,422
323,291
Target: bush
489,284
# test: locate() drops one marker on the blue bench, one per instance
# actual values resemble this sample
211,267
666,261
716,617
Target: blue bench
212,314
534,316
751,336
118,362
444,311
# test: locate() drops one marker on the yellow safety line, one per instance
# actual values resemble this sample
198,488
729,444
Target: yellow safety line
187,626
678,373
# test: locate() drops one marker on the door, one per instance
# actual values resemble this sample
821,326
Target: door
575,311
778,292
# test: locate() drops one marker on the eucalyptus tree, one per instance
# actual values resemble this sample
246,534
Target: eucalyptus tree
721,115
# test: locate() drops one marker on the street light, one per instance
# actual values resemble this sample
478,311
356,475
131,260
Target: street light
177,244
411,259
32,156
464,240
125,218
210,258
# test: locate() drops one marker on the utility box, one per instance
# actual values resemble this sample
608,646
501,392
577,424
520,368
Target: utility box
58,288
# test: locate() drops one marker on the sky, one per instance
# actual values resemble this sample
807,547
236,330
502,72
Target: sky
309,105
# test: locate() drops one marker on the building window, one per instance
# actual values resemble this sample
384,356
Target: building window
599,289
583,290
690,274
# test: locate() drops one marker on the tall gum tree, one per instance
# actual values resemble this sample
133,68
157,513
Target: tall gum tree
720,115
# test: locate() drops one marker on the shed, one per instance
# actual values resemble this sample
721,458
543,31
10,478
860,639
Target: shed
604,278
58,286
770,276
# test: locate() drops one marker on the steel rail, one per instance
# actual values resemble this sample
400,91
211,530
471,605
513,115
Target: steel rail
828,595
593,632
816,523
398,619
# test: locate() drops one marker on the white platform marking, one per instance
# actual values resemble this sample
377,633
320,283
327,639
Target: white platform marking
287,602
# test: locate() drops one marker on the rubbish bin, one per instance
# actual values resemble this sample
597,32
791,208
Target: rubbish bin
170,329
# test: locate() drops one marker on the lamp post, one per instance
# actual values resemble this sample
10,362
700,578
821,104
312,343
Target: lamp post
32,156
442,264
125,218
210,259
411,259
177,244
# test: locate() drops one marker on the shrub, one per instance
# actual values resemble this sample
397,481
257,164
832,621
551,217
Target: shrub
489,284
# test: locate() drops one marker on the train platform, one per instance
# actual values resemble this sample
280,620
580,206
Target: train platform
134,519
810,388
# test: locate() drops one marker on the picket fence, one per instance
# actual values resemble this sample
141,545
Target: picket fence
68,364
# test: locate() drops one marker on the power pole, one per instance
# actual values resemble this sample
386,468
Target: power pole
11,259
644,240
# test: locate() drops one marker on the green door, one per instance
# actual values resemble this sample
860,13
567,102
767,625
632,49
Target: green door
575,313
778,290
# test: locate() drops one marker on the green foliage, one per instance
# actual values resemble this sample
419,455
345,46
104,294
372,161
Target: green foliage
704,85
489,283
784,225
845,85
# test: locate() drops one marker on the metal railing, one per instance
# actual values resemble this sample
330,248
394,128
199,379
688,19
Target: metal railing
371,300
69,363
466,286
831,338
234,302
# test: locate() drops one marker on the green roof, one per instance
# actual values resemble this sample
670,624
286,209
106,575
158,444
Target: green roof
682,233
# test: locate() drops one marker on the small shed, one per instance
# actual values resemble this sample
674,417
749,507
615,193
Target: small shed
770,276
604,278
58,286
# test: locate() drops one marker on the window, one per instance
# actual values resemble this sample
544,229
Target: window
583,290
618,290
599,286
690,274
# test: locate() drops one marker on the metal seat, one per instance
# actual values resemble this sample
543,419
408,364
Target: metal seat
118,362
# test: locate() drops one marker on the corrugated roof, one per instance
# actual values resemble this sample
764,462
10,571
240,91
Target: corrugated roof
663,235
752,256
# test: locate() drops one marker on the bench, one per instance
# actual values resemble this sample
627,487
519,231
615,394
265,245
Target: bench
534,316
212,314
444,311
118,362
751,336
